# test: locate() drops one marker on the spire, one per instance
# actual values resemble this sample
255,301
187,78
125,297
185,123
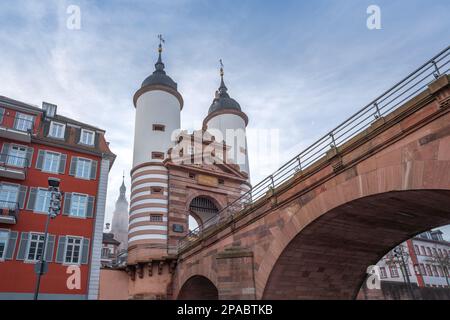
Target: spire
159,76
123,189
222,100
159,66
223,88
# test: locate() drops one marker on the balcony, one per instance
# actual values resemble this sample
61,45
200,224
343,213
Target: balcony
9,212
16,128
13,167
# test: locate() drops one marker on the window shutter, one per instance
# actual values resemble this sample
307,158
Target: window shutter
46,128
5,150
33,123
23,246
32,199
73,166
15,120
22,194
77,135
40,159
67,203
60,252
94,164
11,245
67,133
30,152
50,248
62,163
90,207
96,139
85,251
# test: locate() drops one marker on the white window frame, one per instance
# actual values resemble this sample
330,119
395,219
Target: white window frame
16,157
50,109
104,249
383,273
52,125
72,202
11,185
5,249
81,137
45,160
80,252
79,160
27,118
36,200
27,252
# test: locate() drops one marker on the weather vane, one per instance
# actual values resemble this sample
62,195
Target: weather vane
221,67
161,41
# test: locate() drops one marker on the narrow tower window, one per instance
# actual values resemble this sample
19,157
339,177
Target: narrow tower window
158,155
156,218
159,127
156,190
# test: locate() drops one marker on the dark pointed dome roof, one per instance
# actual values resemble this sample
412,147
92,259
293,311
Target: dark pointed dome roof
159,76
223,101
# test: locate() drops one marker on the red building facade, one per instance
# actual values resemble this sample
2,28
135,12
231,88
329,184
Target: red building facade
37,143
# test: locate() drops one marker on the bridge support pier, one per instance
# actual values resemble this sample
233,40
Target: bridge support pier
235,272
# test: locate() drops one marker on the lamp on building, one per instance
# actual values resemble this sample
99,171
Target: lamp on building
53,210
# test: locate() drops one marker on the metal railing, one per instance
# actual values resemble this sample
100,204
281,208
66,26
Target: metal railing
7,160
16,122
9,208
412,85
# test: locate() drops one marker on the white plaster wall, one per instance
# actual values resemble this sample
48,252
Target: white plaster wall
154,107
223,122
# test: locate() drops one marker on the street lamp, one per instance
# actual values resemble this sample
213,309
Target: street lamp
53,210
398,252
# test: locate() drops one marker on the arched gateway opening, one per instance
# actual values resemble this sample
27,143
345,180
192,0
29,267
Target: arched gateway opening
198,288
328,258
202,210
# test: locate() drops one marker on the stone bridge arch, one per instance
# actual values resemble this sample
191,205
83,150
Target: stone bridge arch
357,216
198,287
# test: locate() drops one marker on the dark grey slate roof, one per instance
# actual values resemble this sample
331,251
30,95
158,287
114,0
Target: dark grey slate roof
223,101
109,239
159,76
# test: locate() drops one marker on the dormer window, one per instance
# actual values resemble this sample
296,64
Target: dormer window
56,130
50,109
87,137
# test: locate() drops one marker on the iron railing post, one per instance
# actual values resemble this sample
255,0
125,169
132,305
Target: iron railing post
299,164
437,74
378,113
333,142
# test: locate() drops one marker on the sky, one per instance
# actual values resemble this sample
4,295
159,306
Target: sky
298,67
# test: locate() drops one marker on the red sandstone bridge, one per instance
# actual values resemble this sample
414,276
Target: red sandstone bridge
310,230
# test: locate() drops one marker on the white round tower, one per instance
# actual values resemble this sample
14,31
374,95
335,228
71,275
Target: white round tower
158,105
225,115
